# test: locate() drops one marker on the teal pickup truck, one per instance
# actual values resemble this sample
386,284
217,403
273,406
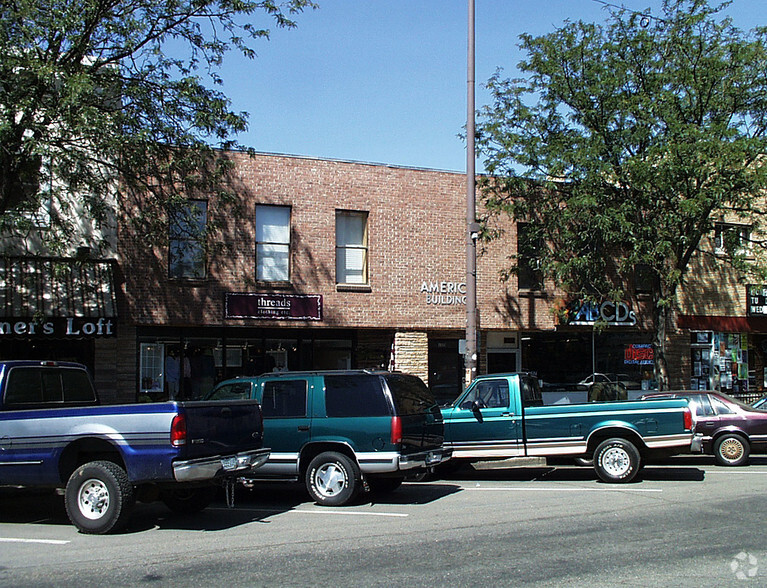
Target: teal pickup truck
502,416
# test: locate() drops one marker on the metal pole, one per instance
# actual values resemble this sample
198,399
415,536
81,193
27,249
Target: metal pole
471,224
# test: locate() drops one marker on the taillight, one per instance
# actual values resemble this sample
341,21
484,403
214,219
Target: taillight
396,430
178,430
687,419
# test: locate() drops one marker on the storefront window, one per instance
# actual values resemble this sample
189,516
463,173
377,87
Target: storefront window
152,368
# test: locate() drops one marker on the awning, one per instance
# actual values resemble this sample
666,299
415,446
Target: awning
56,288
723,324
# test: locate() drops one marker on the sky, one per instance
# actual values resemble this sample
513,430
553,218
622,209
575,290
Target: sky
385,81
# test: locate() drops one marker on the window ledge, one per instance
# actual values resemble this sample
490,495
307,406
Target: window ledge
353,288
531,293
281,285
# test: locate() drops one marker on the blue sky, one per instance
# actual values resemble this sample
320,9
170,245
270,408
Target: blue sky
384,81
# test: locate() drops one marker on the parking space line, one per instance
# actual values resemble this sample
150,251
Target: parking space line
324,512
544,489
38,541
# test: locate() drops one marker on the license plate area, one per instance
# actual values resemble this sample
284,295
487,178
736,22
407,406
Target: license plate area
229,463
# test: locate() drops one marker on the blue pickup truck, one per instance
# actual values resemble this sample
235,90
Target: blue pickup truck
502,416
54,433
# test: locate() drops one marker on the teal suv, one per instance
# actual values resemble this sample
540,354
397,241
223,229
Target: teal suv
343,431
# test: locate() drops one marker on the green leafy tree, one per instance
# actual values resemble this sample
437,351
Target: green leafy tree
623,144
101,95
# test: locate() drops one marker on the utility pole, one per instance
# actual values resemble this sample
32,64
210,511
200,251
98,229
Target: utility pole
472,228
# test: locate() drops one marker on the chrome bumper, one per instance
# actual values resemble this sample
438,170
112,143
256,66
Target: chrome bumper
427,459
218,466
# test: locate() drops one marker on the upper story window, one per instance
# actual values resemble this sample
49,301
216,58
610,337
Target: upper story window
187,249
731,238
273,243
530,275
351,247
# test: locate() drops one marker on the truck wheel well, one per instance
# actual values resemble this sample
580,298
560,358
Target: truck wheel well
598,436
86,450
312,450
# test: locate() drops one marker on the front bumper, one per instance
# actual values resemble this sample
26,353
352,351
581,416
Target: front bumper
697,443
219,466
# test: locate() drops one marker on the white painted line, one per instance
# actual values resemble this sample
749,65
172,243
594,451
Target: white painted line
539,489
44,541
276,511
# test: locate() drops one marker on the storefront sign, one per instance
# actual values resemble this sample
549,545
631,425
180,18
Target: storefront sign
756,300
444,293
638,354
304,307
612,313
58,327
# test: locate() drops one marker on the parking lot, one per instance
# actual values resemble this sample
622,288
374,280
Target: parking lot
687,522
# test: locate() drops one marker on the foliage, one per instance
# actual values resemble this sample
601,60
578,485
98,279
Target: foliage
626,143
92,91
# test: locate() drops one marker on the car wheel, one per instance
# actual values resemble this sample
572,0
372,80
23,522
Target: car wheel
582,461
99,497
616,460
188,500
333,479
380,485
731,450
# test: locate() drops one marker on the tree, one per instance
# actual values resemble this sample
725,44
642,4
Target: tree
625,143
92,99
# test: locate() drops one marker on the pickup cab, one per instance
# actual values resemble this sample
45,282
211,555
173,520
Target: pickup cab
502,416
343,431
55,434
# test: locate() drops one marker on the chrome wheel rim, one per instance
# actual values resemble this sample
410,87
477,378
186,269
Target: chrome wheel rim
731,450
330,479
616,461
93,499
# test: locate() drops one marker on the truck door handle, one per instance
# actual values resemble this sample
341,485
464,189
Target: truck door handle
303,427
507,414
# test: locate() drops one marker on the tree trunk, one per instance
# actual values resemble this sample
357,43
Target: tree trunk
659,346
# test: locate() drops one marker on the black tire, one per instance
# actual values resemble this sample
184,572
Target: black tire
731,450
617,461
379,485
99,497
188,500
584,462
333,479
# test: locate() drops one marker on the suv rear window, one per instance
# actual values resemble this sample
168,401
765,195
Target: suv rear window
355,396
411,396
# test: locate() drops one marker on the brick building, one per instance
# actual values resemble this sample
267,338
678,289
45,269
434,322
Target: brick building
335,264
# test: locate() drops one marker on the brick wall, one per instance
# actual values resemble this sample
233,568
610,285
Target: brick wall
416,227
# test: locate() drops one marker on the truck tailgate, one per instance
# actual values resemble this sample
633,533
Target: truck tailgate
220,427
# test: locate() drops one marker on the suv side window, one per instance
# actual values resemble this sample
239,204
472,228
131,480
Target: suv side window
284,398
355,396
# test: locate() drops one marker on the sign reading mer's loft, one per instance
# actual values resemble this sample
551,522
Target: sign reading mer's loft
286,307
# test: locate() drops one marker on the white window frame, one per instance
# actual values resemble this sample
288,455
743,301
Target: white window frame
273,243
744,233
352,248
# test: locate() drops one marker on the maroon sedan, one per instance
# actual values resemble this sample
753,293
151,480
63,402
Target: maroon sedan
730,429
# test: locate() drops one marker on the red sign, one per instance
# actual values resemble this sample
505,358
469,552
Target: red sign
296,307
638,354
